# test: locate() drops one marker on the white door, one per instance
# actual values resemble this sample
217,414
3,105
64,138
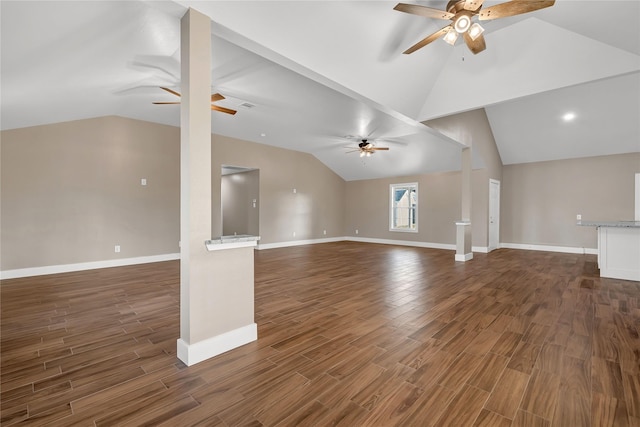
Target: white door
494,214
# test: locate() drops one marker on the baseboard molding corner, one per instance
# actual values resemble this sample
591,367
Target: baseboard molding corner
198,352
68,268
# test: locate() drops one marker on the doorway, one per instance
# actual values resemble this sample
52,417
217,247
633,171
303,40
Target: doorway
494,214
240,188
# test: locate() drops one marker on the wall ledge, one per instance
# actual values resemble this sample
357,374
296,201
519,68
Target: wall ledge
67,268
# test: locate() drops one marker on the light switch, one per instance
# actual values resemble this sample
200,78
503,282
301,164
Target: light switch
143,181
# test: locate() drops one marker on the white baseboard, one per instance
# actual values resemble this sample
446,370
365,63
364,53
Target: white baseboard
464,257
191,354
67,268
446,246
548,248
299,242
480,249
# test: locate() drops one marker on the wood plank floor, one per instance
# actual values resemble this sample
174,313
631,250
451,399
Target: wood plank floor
350,334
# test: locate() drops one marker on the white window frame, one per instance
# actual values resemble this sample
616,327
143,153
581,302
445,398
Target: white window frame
392,188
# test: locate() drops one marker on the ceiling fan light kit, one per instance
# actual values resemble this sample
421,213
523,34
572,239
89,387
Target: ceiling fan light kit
475,31
366,148
462,23
461,13
451,36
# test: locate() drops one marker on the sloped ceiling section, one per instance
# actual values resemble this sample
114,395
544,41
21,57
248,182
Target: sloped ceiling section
317,71
596,105
356,47
553,59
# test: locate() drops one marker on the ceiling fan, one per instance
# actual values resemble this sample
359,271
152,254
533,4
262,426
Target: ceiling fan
366,148
214,98
461,12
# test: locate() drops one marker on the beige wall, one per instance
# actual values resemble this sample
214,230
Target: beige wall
71,192
317,205
439,197
540,201
439,206
368,201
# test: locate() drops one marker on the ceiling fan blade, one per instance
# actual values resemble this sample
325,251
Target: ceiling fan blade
170,91
162,103
422,43
223,110
379,148
427,12
476,46
473,4
512,8
216,97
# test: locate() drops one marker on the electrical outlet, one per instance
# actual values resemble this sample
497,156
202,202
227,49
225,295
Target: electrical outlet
356,231
295,191
143,181
579,217
324,232
294,234
117,248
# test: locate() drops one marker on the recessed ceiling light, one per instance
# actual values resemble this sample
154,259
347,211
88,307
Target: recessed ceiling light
569,116
263,134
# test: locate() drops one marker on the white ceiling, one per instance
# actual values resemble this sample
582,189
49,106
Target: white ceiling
317,71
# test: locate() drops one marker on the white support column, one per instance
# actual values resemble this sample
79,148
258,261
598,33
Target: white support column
463,227
216,288
637,213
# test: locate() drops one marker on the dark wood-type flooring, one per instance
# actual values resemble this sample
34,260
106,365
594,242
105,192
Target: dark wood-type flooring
350,334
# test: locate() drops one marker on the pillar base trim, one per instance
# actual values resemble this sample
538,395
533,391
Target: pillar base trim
464,257
191,354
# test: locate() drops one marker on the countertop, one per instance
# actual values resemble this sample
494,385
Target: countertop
619,224
231,242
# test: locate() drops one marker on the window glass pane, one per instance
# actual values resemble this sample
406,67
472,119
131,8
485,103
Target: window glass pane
404,204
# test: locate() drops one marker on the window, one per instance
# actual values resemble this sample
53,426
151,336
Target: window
404,207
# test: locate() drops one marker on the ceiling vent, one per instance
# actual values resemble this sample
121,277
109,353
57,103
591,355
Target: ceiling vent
246,105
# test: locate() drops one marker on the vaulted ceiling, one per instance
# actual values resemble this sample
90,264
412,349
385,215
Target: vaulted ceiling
303,75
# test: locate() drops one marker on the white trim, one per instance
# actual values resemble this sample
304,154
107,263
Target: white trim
547,248
481,249
464,257
191,354
446,246
637,209
299,242
67,268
